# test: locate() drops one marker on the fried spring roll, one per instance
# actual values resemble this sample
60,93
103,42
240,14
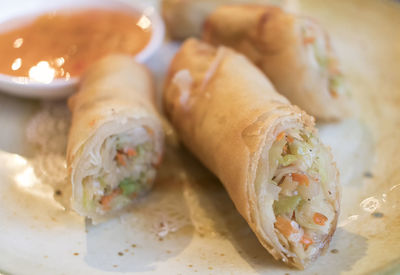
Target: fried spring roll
293,51
116,139
185,18
266,152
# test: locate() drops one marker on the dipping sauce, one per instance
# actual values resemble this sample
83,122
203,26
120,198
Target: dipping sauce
63,44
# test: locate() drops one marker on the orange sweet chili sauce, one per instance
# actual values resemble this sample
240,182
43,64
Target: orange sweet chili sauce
63,44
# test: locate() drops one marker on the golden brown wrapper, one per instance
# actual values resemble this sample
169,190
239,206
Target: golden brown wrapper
116,94
274,41
227,112
185,18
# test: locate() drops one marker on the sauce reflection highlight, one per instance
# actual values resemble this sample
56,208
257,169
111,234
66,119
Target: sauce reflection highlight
42,72
63,44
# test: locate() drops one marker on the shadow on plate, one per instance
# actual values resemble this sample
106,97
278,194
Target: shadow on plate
15,112
214,214
352,146
154,230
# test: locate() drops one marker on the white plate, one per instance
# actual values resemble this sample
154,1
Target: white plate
188,225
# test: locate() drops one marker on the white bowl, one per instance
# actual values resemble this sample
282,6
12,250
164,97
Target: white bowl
60,88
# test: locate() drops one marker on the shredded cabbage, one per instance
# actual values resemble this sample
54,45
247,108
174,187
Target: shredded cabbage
287,160
87,200
119,202
102,181
130,178
320,56
275,155
320,168
304,151
286,205
273,190
337,83
303,155
305,213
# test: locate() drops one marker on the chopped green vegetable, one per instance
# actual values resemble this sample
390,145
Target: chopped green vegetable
302,150
287,160
319,167
306,137
275,154
323,62
129,186
286,204
336,81
118,143
102,181
142,148
87,200
321,56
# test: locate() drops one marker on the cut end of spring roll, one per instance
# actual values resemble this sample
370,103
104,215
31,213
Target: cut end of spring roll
116,138
265,151
293,51
296,188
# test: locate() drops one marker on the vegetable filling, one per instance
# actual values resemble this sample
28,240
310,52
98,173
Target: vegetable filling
303,205
128,171
322,57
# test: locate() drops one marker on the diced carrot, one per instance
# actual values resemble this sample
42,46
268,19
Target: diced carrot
301,179
106,200
290,139
309,40
149,130
333,66
334,70
333,93
306,241
284,226
320,219
131,152
121,159
280,136
92,122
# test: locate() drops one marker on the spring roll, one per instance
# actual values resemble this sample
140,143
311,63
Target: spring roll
266,152
293,51
185,18
115,141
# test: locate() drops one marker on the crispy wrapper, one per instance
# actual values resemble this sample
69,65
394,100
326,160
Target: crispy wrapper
185,18
228,113
116,97
293,51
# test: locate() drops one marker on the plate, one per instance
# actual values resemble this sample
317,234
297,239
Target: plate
188,225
